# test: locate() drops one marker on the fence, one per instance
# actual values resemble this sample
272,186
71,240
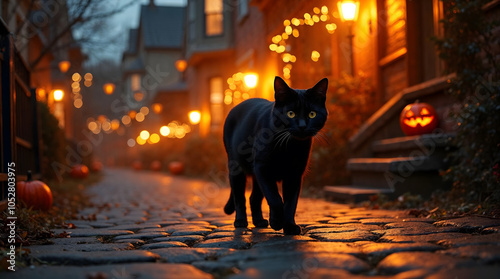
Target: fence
19,128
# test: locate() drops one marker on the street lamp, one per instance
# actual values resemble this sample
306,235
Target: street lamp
194,117
349,10
58,95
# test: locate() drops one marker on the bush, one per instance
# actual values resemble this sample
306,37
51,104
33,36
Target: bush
205,157
350,102
467,49
53,141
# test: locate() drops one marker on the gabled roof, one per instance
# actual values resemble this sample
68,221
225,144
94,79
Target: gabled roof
132,41
162,26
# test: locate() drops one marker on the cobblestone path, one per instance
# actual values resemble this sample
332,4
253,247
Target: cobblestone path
150,225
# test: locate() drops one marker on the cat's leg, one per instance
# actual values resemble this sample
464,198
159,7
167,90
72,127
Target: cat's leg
291,192
270,190
256,205
238,185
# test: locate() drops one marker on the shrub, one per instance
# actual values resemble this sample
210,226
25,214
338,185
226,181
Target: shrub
350,102
205,157
53,141
468,50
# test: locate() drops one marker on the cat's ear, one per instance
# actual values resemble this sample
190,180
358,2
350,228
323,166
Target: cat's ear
320,88
281,90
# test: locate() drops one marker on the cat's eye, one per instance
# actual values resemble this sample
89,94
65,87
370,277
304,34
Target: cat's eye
312,114
290,114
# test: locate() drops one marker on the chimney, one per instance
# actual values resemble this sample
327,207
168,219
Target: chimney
151,3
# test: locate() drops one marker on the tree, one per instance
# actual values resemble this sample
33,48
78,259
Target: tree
61,24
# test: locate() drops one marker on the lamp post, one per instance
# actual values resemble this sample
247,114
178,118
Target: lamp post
348,10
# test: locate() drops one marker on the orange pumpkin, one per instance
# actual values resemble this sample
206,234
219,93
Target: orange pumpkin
34,193
79,171
137,165
176,167
155,165
96,166
418,118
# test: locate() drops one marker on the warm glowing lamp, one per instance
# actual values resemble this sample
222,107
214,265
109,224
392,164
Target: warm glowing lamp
251,80
108,88
144,135
157,108
181,65
58,95
64,66
348,10
194,117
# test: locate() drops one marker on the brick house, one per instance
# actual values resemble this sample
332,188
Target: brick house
303,41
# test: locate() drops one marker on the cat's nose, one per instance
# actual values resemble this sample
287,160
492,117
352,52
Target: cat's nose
302,124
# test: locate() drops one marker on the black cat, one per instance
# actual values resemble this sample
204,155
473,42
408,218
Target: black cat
271,141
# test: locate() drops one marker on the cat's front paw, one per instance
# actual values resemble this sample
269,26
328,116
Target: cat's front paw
276,219
240,223
292,229
261,223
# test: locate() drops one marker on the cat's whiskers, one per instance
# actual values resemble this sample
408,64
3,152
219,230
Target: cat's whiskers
281,137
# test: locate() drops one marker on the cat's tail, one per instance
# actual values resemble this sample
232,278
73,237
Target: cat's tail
229,208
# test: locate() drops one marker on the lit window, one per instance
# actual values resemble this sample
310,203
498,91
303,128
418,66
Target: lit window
135,82
216,102
213,17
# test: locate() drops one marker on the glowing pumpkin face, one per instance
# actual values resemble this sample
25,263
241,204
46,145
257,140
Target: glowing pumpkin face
418,118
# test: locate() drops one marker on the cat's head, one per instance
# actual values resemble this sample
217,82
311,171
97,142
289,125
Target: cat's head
300,112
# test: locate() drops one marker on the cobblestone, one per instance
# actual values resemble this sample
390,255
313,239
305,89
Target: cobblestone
182,231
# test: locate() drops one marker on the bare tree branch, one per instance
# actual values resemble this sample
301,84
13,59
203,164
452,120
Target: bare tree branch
70,15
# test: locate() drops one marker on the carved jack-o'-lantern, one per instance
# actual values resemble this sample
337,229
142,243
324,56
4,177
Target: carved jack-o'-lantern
418,118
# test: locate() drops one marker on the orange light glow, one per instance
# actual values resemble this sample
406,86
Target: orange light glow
144,135
139,117
132,114
164,131
348,10
88,76
126,120
157,108
194,117
64,66
78,103
154,138
181,65
108,88
58,95
115,124
140,141
76,77
251,80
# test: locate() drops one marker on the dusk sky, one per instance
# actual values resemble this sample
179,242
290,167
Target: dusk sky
130,19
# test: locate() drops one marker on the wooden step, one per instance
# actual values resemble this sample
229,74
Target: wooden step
398,165
352,194
432,145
